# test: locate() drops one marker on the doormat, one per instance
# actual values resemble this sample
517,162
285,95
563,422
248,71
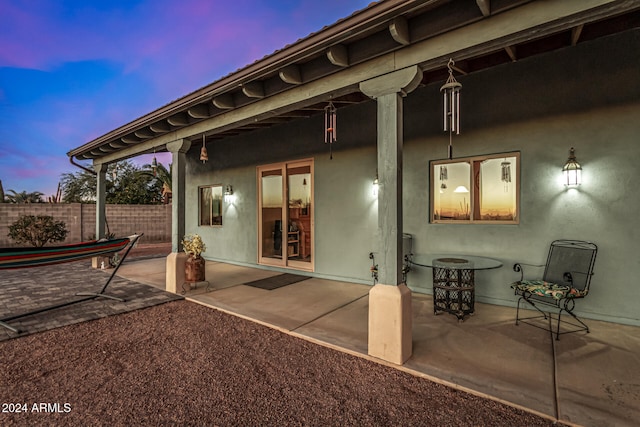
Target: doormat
275,282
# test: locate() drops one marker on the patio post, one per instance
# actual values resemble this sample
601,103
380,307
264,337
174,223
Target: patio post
177,258
101,208
390,334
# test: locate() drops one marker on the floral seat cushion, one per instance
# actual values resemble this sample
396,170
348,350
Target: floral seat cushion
547,289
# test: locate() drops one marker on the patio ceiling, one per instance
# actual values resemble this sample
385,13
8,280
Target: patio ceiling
272,90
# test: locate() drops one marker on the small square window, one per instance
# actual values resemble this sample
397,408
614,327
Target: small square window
210,201
481,189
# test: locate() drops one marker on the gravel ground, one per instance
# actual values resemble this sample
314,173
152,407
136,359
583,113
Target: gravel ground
184,364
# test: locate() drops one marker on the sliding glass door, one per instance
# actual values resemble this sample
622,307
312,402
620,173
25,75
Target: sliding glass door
285,226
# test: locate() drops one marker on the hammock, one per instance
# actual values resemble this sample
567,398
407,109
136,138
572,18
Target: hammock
12,258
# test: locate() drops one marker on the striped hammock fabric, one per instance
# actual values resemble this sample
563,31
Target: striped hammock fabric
12,258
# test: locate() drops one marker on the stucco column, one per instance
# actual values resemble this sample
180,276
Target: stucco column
390,323
101,209
177,258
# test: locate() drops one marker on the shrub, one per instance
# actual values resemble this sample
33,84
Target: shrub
37,230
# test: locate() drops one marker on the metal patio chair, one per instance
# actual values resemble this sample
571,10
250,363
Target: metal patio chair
566,279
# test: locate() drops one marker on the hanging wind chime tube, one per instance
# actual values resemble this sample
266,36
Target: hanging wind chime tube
330,123
506,174
451,114
154,163
204,156
443,177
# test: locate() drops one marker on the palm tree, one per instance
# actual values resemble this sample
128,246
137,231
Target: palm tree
163,175
1,192
24,197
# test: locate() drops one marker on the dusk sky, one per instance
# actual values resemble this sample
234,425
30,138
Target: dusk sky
73,70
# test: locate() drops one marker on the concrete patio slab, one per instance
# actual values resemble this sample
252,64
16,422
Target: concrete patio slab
599,375
345,328
583,379
288,307
486,353
149,271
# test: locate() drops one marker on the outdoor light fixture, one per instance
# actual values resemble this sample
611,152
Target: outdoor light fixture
572,171
451,96
204,156
330,134
228,193
376,186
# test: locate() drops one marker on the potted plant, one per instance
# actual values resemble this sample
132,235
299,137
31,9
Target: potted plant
194,267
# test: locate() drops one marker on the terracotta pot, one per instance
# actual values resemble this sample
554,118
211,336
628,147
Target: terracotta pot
194,269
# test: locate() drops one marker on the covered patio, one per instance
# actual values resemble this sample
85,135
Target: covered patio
582,379
538,80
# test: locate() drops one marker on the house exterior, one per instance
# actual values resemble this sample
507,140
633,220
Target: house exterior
538,78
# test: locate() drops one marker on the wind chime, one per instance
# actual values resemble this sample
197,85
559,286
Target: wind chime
330,126
154,164
506,174
451,95
444,175
204,156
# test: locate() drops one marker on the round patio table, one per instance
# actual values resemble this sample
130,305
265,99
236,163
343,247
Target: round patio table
454,280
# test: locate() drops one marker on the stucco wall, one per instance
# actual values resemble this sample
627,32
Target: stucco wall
586,97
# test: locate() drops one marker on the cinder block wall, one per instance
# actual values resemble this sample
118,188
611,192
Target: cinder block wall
80,220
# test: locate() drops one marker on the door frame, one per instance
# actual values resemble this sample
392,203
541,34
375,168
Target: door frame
285,262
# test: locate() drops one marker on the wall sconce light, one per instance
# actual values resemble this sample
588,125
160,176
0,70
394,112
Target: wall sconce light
228,194
376,186
572,171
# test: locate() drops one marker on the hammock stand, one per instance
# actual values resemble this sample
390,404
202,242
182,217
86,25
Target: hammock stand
15,258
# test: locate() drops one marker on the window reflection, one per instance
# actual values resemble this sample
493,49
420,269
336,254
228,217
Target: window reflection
210,200
476,189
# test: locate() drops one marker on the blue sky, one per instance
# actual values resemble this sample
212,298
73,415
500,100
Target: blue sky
73,70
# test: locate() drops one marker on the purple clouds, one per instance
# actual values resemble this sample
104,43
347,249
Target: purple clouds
71,71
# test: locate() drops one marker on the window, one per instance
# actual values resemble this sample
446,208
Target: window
210,200
481,189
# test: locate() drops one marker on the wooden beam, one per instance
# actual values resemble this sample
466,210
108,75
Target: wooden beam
511,51
200,111
253,89
399,29
575,34
160,127
338,55
128,139
179,119
485,7
224,101
291,75
116,144
144,133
